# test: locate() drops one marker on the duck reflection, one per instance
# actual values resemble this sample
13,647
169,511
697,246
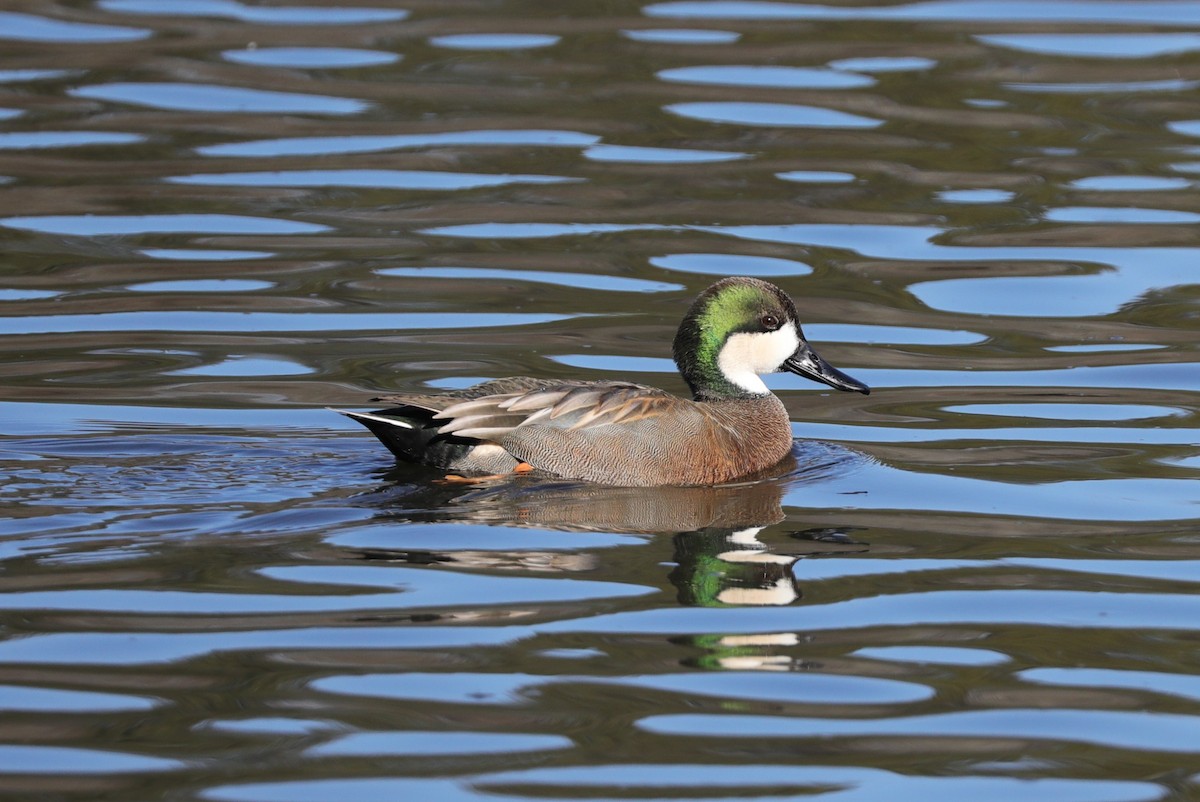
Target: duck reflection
719,557
733,567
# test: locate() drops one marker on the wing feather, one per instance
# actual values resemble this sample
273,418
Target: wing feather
563,406
434,402
477,406
577,399
536,417
492,433
459,424
542,399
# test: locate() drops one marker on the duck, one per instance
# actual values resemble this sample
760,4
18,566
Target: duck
621,433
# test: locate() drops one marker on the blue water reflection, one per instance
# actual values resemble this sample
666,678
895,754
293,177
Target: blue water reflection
55,760
817,177
93,225
202,285
458,687
1026,433
834,568
197,255
618,364
539,230
21,697
1068,411
816,782
423,588
270,725
1149,12
1138,270
375,179
310,57
1097,45
763,686
494,41
1125,214
1129,183
465,537
837,783
30,28
884,64
683,36
975,196
585,281
1119,729
1167,570
1116,611
730,264
37,140
647,155
1086,88
1099,348
766,76
373,789
934,655
328,145
21,76
12,294
782,687
213,98
147,648
890,335
1185,127
1037,296
430,743
245,366
266,321
1159,682
64,419
878,487
782,115
265,15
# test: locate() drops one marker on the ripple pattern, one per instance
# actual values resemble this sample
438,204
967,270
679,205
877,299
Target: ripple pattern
221,217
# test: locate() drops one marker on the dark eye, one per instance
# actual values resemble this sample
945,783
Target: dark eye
769,322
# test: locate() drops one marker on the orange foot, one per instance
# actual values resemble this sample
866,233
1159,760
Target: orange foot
521,467
455,478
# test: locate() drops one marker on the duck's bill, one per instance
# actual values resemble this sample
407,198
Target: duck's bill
808,363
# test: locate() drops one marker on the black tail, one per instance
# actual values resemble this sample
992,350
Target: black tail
412,435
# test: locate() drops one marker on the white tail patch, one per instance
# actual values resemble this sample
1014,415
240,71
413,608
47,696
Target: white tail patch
746,355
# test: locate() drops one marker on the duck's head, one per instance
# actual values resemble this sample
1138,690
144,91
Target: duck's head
740,328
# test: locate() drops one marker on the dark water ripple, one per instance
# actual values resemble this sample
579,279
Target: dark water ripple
220,217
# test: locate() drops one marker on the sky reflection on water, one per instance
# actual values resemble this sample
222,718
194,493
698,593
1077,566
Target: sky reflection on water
221,218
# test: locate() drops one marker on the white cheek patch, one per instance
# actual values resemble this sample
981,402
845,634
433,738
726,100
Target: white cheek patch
746,355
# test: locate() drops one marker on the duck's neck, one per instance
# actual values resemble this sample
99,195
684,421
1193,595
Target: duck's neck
713,372
713,383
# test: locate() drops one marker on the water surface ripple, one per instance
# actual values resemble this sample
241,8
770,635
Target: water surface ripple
220,217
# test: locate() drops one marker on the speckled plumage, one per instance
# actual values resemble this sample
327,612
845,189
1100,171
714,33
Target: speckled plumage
619,433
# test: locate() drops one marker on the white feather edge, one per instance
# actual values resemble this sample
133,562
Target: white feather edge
369,416
491,434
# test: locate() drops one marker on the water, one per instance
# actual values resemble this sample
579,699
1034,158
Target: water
218,218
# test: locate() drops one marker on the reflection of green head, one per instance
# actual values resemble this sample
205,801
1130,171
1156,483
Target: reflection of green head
730,306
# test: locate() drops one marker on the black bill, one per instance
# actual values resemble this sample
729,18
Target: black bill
808,363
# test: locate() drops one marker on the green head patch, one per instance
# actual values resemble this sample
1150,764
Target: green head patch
730,306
